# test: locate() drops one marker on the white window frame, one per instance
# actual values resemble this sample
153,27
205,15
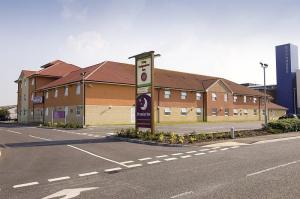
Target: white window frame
225,97
32,82
254,100
78,110
214,97
47,95
245,99
46,112
32,96
66,91
56,93
235,112
198,96
66,110
183,95
254,111
167,94
226,112
78,89
167,111
198,111
245,111
184,111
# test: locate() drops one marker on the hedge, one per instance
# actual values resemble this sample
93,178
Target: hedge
284,125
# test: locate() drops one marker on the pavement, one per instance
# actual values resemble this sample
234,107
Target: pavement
48,163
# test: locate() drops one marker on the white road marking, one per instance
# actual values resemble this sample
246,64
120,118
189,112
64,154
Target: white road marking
113,169
277,140
191,152
204,149
88,174
143,159
25,185
161,156
234,147
177,154
59,179
39,138
153,162
272,168
182,194
213,151
134,165
199,153
127,162
69,193
14,132
170,159
186,156
216,147
98,156
224,149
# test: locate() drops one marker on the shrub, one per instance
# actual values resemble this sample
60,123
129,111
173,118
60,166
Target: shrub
192,138
173,138
285,125
180,139
161,137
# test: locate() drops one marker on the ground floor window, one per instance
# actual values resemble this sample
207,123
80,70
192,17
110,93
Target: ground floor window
184,111
47,112
214,111
226,113
255,112
235,112
78,110
245,112
199,111
167,111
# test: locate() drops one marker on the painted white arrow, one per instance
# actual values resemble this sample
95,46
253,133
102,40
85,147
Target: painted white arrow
69,193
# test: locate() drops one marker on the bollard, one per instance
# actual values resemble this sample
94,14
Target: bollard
232,132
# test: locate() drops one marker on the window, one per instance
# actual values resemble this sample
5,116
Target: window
198,96
78,110
198,111
47,95
235,112
55,93
66,91
32,82
245,112
234,98
263,112
184,111
226,112
225,97
167,94
46,111
245,99
32,96
254,111
183,95
167,111
254,100
78,89
214,97
214,111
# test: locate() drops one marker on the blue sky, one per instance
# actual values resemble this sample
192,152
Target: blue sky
220,38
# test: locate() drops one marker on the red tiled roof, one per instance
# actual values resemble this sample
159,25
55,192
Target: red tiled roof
25,74
274,106
121,73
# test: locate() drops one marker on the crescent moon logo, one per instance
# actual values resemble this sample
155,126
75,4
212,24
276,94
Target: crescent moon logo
143,108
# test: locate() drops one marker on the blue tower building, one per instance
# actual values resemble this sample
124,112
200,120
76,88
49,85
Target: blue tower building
286,66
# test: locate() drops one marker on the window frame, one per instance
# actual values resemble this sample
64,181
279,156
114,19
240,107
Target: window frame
66,91
214,97
212,112
183,111
56,93
183,95
167,96
167,111
198,113
78,89
198,96
225,97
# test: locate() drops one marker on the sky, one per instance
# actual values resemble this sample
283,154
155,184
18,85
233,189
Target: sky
223,38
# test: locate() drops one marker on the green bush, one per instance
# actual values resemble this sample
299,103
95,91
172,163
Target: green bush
180,139
285,125
173,138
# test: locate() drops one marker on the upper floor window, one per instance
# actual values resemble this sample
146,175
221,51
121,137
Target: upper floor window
225,97
78,89
183,95
66,91
47,95
234,98
198,96
167,94
214,97
245,99
32,82
184,111
254,100
56,93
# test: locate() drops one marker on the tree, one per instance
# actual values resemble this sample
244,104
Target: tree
4,114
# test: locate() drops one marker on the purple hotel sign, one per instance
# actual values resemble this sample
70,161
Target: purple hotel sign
143,111
59,114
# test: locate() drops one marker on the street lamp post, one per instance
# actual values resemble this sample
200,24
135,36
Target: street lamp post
83,98
264,66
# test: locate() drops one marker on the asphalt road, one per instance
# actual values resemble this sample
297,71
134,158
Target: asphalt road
46,163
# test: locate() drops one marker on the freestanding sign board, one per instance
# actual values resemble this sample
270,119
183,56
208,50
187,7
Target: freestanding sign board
144,115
